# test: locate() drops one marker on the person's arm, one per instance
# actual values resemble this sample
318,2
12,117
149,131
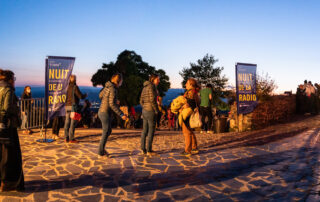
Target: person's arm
141,97
112,101
7,108
153,100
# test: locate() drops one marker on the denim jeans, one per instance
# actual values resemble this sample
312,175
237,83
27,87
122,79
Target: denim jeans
149,122
106,130
69,126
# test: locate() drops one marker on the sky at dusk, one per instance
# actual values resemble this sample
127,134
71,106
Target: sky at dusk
280,36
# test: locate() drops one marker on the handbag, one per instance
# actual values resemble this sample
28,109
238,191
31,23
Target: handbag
75,110
195,120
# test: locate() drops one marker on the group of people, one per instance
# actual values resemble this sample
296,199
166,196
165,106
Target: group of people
308,98
11,162
197,100
150,111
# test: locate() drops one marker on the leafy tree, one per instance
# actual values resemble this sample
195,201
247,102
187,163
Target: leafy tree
135,71
265,86
205,73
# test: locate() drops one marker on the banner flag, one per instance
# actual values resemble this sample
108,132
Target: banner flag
246,87
58,71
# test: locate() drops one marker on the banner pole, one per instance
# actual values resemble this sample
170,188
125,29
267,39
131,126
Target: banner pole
45,140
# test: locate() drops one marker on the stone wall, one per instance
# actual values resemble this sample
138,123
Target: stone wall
276,110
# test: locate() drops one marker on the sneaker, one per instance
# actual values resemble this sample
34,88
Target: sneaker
152,153
201,132
210,132
194,151
186,154
144,152
74,141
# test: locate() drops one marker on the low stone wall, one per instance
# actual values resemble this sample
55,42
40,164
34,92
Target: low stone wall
276,110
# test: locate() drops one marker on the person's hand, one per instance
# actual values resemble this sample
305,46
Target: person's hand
124,117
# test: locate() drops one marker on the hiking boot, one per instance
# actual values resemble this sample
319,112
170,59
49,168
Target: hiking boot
105,153
186,154
55,137
194,151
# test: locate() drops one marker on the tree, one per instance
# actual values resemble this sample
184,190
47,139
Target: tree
205,73
135,71
265,86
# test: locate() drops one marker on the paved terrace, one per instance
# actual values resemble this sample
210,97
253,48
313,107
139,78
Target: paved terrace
278,163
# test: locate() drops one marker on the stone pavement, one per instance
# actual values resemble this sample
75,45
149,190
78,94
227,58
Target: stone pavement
279,163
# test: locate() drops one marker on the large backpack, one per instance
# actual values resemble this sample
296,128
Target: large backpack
177,103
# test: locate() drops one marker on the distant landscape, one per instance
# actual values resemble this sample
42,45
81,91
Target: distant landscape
93,93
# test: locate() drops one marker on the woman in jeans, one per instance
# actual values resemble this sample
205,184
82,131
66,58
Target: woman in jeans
192,97
11,172
148,101
108,96
73,97
26,104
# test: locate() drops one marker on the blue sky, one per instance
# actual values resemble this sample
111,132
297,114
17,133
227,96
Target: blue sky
281,37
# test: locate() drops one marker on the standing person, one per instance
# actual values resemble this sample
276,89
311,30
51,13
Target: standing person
313,98
171,119
73,96
205,107
192,97
56,127
26,109
86,114
108,96
300,105
10,153
150,110
317,100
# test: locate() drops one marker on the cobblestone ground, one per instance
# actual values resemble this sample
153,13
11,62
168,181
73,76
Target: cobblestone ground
277,163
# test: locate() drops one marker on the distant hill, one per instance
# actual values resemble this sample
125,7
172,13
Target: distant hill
93,93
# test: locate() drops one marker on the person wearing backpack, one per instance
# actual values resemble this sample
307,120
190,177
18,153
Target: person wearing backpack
192,104
150,110
73,97
11,172
108,96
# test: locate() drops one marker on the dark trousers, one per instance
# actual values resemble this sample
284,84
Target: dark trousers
206,112
56,125
106,120
149,122
11,162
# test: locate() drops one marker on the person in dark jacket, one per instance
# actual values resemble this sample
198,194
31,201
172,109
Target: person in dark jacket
26,109
108,96
148,101
11,172
73,96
